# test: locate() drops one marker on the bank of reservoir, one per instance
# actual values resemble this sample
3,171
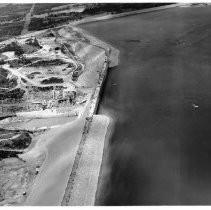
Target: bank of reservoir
160,98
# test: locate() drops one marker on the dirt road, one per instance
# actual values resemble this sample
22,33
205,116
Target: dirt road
27,21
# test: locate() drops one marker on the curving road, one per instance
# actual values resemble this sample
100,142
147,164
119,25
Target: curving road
160,97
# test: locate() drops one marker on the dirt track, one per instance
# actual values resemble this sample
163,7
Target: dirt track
27,21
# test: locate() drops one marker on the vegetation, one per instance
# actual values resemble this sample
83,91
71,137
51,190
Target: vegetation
14,11
12,17
33,42
10,30
93,9
22,141
2,62
44,8
8,154
13,46
13,94
16,63
4,81
53,20
54,62
44,23
52,80
45,88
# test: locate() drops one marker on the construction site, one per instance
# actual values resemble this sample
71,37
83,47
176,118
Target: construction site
46,81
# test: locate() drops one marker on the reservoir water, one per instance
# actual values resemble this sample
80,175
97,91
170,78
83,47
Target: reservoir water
160,97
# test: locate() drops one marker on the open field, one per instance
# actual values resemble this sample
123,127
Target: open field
12,19
13,11
16,178
46,7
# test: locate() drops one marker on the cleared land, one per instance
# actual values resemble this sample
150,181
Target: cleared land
61,151
56,74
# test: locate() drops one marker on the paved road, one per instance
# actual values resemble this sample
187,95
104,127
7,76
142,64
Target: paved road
160,96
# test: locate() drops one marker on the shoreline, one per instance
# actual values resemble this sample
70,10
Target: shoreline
123,14
83,191
96,93
130,152
73,162
105,171
95,19
94,102
48,139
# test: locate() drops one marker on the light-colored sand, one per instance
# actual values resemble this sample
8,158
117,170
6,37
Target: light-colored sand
114,53
94,63
32,124
60,149
85,183
48,113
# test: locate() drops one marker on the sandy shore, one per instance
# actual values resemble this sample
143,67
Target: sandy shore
87,151
85,183
60,151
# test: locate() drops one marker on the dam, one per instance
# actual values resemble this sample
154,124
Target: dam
159,96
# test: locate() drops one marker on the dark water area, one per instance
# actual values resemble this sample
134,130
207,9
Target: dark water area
160,97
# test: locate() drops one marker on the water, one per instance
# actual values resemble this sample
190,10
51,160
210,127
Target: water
160,149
